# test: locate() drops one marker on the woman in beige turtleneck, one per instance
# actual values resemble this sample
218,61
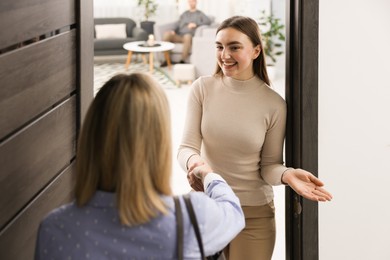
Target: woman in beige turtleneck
236,123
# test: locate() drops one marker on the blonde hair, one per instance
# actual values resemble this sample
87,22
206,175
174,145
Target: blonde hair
125,147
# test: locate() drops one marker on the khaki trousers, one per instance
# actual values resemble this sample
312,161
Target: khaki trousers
257,240
186,39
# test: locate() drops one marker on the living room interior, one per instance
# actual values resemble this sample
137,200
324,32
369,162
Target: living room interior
167,12
201,61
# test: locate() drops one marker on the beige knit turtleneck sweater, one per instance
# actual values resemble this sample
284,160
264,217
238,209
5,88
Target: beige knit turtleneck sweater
238,127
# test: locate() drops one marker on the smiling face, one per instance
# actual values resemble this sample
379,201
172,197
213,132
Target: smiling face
235,53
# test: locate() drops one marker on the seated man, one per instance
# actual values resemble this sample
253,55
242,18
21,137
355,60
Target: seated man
185,29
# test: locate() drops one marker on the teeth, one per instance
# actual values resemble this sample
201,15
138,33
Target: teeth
228,64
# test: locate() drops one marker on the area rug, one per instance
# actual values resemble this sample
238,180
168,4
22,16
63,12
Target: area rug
104,71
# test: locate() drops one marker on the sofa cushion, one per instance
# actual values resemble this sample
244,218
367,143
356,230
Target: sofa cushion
110,31
104,44
209,32
114,46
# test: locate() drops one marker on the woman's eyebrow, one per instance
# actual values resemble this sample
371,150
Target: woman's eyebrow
229,43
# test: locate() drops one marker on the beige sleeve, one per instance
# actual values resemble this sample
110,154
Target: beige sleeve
271,164
192,137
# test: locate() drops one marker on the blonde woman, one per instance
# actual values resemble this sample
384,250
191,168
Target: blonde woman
124,206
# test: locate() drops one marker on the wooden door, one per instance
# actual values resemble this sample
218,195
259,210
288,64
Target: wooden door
46,85
302,124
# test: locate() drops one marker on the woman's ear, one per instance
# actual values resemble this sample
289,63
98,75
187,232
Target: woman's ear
256,51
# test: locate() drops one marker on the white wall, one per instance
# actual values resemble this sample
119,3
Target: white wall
169,10
354,128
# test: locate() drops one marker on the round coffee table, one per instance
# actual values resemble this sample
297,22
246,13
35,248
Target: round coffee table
141,46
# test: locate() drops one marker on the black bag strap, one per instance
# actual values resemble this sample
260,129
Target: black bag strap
194,222
179,227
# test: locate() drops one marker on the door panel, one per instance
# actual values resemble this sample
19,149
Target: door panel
17,239
302,124
49,76
35,156
46,71
23,20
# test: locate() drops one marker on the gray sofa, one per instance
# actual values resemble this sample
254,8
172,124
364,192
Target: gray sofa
114,46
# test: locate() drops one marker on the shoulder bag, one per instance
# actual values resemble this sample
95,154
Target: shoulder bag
194,222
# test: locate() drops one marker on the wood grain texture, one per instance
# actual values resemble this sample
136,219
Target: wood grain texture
46,71
34,78
85,36
17,240
309,131
22,20
35,155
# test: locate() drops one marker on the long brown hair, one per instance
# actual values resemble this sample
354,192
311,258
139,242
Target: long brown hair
125,147
250,28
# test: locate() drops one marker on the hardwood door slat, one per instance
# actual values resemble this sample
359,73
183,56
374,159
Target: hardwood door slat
17,240
34,156
49,75
33,18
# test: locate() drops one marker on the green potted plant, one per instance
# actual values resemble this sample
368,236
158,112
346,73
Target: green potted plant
149,8
272,31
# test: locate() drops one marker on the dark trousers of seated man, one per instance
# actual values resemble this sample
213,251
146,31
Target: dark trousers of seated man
186,39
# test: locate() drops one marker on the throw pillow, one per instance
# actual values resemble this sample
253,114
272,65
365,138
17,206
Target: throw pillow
105,31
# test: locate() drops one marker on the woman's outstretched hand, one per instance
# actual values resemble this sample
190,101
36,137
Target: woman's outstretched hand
306,184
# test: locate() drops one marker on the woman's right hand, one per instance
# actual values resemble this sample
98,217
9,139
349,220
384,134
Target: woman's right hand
306,184
197,170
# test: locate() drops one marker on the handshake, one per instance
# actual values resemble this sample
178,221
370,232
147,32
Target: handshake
197,171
